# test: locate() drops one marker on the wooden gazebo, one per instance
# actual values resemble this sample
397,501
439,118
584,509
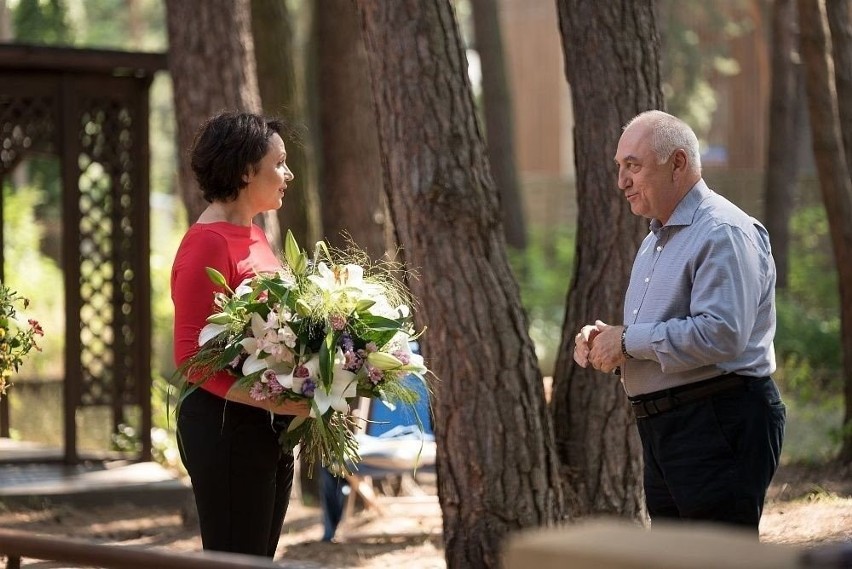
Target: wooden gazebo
90,109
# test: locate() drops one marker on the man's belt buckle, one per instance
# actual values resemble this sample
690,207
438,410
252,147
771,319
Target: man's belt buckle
651,407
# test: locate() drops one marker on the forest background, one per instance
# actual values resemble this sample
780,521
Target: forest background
705,78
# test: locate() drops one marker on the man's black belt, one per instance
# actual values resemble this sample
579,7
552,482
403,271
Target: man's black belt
658,402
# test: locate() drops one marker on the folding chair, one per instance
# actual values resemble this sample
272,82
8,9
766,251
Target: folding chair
395,441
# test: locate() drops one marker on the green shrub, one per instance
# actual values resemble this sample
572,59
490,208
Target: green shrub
34,275
544,272
807,341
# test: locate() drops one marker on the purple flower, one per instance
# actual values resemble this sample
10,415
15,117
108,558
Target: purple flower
353,361
309,388
345,342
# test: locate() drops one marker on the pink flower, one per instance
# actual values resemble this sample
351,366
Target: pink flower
402,356
375,374
301,372
337,322
36,327
257,392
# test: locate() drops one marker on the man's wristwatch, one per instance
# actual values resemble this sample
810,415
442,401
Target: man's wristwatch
623,345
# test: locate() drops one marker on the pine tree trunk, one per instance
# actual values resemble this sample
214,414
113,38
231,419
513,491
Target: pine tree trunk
278,81
499,121
497,471
839,14
834,180
840,23
782,164
351,176
612,53
211,61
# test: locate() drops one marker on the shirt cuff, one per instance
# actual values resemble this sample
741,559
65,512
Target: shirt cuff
637,341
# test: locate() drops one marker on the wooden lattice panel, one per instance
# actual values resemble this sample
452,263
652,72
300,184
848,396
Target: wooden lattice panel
89,108
108,285
26,125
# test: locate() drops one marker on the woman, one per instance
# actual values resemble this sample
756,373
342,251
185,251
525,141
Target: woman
229,442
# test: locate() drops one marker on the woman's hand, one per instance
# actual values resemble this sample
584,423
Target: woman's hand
287,407
295,408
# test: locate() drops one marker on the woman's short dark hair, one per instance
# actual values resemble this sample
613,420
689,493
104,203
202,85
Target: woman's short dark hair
227,147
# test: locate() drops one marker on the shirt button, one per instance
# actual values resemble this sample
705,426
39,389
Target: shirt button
659,247
647,279
635,311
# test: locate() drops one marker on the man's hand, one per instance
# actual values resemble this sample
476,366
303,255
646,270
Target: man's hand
606,354
583,344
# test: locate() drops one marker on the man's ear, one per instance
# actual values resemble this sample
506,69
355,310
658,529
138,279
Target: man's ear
680,163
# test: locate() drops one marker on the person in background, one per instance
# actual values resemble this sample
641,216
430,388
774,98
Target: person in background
695,351
241,477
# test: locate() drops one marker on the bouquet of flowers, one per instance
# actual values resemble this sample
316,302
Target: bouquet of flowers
16,339
322,331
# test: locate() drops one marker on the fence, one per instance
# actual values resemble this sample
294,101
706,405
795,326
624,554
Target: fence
16,545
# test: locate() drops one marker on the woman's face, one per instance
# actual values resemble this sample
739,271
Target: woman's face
267,183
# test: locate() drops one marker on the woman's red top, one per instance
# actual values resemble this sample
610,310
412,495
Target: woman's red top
236,251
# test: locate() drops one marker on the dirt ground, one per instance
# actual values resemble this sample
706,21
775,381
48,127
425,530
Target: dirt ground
807,506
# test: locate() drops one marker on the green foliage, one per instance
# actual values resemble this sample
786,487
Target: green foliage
42,22
91,23
812,434
163,442
34,275
808,336
17,338
544,272
807,342
111,24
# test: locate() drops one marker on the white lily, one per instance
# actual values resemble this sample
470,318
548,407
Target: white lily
340,277
400,347
251,345
209,332
244,288
289,380
344,279
343,386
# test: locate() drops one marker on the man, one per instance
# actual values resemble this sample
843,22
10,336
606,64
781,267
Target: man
696,348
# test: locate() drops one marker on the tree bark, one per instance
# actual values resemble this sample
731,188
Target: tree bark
499,120
833,172
497,469
839,14
351,175
211,61
279,81
612,52
782,163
